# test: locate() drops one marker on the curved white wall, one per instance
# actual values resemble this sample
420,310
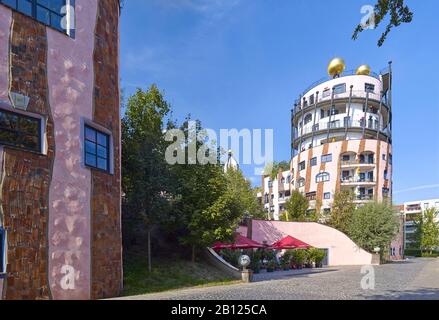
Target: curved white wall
342,250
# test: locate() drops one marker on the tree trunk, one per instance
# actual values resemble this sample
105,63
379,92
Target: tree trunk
149,251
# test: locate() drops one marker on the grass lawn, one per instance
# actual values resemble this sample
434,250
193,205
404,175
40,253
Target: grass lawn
168,274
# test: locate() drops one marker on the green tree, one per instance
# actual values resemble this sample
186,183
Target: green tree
273,169
242,189
296,208
427,231
374,225
397,12
145,174
342,210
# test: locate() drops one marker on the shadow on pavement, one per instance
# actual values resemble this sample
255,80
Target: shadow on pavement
419,294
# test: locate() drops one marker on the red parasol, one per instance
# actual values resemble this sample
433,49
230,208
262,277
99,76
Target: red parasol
290,242
241,242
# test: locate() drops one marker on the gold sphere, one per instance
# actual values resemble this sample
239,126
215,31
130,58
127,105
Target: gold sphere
336,67
363,70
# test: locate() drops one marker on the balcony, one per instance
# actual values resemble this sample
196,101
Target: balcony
340,125
364,198
357,163
357,181
356,94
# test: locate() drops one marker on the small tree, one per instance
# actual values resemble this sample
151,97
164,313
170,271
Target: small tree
373,225
427,231
296,208
342,210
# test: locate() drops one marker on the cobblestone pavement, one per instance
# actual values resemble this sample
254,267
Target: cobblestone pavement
407,280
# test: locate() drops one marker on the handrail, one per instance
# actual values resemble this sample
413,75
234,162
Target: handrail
357,179
339,125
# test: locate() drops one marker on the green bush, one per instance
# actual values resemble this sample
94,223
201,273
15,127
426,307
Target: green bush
299,257
413,253
430,255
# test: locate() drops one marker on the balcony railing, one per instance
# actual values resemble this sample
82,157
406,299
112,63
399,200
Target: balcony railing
362,94
356,162
364,197
370,125
357,180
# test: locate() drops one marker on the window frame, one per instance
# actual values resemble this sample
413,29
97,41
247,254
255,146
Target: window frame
326,177
302,166
35,4
339,88
313,162
369,87
325,158
18,131
327,196
108,149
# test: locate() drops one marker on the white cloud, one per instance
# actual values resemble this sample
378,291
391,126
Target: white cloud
424,187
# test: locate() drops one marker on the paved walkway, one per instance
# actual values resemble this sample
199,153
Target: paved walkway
413,279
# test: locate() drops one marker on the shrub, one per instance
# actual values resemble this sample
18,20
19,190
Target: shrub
299,257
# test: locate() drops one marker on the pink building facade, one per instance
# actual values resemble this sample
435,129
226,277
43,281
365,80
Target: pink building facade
60,217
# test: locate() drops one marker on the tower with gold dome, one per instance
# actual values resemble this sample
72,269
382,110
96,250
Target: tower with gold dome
342,138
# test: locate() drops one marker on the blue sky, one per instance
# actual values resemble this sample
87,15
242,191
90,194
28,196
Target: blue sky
242,63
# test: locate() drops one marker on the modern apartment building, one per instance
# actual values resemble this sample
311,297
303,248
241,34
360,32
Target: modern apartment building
411,211
341,140
60,185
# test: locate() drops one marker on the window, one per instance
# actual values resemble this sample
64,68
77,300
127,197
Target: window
270,184
311,99
326,158
287,194
426,206
327,196
311,196
302,166
289,179
281,195
20,131
340,88
390,159
386,175
301,182
346,158
369,87
313,162
282,181
308,118
384,157
97,149
266,199
2,251
323,177
386,192
49,12
326,93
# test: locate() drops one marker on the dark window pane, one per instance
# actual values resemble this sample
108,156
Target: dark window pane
25,6
90,147
90,134
30,142
90,160
102,164
29,125
43,15
8,137
8,121
102,139
10,3
102,152
55,21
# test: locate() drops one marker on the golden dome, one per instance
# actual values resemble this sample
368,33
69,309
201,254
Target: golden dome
336,67
363,70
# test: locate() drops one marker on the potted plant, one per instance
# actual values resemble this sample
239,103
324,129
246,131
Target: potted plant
285,261
310,258
271,266
299,257
319,257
